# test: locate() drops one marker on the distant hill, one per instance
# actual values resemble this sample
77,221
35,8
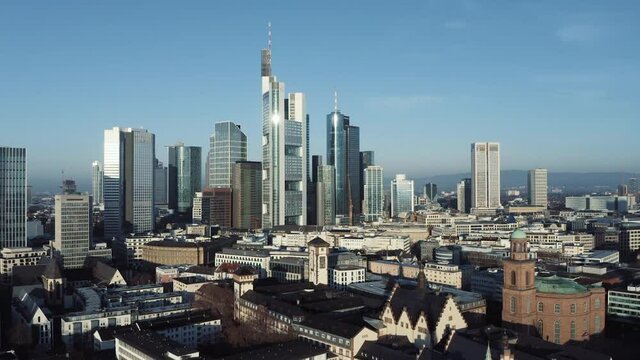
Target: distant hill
570,182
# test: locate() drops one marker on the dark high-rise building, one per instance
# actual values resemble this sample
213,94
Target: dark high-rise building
431,192
160,177
343,153
13,197
185,176
246,182
464,195
312,196
217,206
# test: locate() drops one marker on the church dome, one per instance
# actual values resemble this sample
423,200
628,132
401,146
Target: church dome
518,235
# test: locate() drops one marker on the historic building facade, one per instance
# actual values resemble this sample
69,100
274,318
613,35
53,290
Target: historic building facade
557,309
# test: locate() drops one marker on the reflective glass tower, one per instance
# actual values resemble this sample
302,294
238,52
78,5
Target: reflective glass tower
13,197
128,189
326,195
284,151
185,176
402,195
373,208
228,144
96,182
247,195
343,152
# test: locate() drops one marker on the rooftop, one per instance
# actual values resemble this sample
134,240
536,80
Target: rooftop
558,285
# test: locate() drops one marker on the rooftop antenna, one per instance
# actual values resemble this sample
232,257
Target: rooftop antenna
269,43
335,101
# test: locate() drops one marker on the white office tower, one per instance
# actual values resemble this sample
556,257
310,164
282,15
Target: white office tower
284,152
227,145
460,188
128,189
537,187
72,229
13,197
485,175
402,195
373,206
96,182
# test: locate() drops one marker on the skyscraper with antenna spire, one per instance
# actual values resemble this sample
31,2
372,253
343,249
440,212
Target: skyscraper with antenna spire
343,152
284,150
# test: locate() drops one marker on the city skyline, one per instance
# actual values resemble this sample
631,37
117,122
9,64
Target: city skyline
195,87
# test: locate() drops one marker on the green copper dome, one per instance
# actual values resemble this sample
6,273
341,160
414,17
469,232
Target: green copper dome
558,285
518,235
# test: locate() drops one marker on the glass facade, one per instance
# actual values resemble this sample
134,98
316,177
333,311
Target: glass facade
128,182
402,195
96,182
373,194
185,176
247,195
228,144
326,195
13,197
343,152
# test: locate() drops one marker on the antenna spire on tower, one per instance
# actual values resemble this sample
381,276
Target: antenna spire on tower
335,101
269,43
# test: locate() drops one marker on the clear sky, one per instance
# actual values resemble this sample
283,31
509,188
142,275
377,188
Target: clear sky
555,82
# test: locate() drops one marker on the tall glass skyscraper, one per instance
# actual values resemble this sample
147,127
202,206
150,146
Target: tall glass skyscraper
72,229
402,195
343,152
185,176
13,197
128,191
326,195
485,175
247,195
160,179
228,144
96,182
463,190
284,152
373,194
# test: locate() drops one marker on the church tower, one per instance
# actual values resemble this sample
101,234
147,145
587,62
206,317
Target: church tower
242,282
318,261
53,283
519,290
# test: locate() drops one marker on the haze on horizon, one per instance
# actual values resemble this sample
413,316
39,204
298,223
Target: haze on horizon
553,82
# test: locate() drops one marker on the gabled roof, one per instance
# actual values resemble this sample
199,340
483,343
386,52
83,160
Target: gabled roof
417,302
52,271
318,242
103,272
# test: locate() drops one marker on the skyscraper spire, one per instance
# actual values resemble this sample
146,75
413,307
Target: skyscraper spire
269,42
335,101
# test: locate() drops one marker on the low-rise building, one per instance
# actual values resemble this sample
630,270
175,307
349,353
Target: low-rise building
624,303
343,339
342,275
289,269
24,256
488,283
257,259
139,345
128,251
171,252
32,318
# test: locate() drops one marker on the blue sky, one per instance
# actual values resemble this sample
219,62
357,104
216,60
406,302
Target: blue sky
555,82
